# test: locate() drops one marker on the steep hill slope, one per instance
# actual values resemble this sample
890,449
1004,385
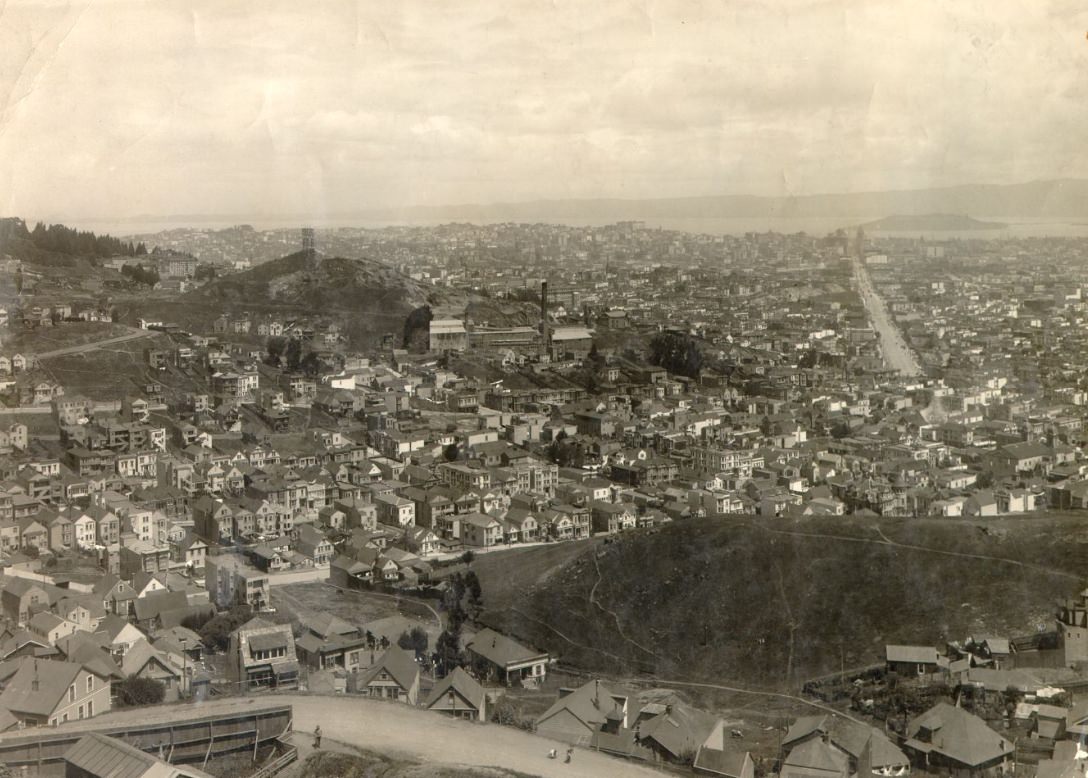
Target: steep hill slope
755,604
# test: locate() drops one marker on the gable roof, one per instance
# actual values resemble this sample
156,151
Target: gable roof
916,654
815,757
399,664
98,754
38,685
716,757
591,703
957,735
679,729
461,684
501,650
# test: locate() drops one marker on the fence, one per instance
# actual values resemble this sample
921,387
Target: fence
273,768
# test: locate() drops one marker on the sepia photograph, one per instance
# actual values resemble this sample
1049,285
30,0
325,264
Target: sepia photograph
515,389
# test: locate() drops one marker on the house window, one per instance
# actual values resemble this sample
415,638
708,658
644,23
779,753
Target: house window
90,708
90,684
81,711
72,693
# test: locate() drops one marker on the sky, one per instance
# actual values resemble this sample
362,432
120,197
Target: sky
121,108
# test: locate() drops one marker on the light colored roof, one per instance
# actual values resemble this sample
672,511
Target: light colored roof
815,757
501,650
140,654
917,654
52,680
957,735
97,754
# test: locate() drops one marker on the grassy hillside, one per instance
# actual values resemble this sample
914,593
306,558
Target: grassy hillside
730,601
365,297
357,284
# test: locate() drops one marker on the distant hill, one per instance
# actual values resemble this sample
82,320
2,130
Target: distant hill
730,601
930,222
1061,198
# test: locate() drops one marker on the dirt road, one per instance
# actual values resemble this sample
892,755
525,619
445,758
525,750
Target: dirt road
396,729
97,344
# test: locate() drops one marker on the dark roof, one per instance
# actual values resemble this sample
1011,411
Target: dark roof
268,640
400,664
462,684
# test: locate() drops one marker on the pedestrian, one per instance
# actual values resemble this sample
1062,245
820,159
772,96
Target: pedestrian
317,736
570,753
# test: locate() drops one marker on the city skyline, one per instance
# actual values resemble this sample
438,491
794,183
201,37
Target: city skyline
122,109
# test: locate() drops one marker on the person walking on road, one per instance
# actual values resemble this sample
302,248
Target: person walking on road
317,736
570,753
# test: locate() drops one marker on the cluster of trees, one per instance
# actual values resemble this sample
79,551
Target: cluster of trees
677,352
287,352
204,270
416,640
64,240
462,600
566,452
417,329
135,691
140,274
215,631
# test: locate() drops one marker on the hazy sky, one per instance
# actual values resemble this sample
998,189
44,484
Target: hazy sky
261,108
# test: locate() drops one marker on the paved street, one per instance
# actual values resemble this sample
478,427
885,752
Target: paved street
897,354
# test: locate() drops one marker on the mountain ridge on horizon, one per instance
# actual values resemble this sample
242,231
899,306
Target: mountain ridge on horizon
1060,197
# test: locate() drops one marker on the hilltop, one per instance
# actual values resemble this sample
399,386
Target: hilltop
366,297
930,222
747,603
334,283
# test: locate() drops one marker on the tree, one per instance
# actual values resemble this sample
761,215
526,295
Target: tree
475,595
204,270
276,346
415,640
310,364
196,621
677,352
447,651
450,452
215,634
293,354
135,691
467,558
417,329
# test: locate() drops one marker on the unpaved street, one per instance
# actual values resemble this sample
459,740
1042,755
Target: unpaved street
396,729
